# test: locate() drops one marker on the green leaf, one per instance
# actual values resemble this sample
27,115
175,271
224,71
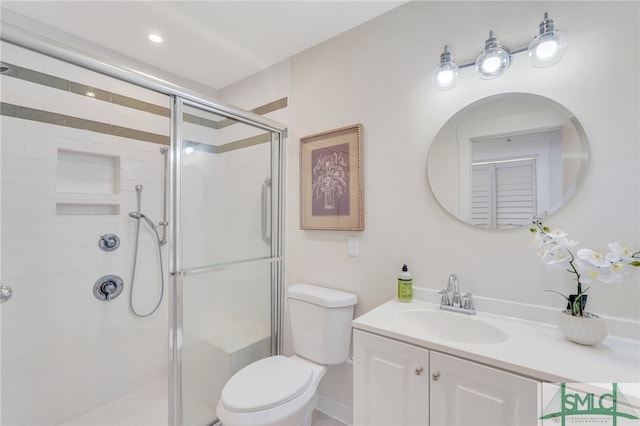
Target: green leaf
533,230
635,263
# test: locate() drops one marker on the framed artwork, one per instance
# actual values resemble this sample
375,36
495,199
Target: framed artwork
331,187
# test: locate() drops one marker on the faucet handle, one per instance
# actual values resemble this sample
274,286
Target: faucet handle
444,300
467,301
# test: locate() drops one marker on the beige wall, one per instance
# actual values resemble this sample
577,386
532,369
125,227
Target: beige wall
379,75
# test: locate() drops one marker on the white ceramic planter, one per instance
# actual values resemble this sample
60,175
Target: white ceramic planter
589,329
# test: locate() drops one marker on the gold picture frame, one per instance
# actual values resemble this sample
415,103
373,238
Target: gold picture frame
331,186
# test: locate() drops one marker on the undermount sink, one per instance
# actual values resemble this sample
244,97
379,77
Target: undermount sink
449,325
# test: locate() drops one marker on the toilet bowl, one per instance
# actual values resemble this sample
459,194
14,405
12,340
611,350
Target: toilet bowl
279,390
279,393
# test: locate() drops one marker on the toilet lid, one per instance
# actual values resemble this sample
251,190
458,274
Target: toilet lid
266,383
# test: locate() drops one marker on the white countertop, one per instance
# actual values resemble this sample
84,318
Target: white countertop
534,349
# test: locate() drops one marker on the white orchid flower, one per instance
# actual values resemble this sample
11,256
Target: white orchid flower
594,257
623,253
555,248
590,272
554,257
619,270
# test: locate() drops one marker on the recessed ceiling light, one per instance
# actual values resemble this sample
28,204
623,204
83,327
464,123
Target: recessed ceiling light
155,38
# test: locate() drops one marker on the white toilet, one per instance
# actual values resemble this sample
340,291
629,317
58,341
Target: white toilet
279,390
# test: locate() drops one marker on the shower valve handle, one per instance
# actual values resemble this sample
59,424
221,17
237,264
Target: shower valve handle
108,288
109,242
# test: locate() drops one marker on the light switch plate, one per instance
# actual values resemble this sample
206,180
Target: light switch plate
352,246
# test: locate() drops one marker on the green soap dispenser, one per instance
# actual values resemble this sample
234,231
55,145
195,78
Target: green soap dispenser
405,285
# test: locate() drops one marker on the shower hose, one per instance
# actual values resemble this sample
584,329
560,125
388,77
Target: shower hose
135,261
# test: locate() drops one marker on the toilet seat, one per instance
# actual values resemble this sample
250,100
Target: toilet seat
266,383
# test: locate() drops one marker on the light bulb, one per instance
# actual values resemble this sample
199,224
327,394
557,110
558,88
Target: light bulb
446,73
445,77
494,60
490,65
546,49
156,38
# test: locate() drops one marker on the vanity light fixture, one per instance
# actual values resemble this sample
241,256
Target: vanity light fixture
546,49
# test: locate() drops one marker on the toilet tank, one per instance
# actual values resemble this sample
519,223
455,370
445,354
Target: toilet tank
320,321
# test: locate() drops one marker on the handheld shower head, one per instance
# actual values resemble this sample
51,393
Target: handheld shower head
138,216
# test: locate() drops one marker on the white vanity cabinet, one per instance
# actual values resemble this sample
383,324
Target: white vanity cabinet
467,393
390,382
396,383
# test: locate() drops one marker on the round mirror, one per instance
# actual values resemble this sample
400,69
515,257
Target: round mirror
503,160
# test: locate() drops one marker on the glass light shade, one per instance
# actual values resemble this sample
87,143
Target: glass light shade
547,49
445,75
493,62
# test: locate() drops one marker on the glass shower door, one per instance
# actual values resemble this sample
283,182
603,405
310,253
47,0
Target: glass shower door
228,256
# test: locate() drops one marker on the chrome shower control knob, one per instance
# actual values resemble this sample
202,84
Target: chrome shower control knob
435,376
5,293
109,242
108,287
419,371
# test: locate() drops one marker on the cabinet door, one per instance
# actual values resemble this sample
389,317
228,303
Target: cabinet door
391,382
464,393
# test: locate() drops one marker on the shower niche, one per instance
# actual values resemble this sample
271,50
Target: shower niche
83,178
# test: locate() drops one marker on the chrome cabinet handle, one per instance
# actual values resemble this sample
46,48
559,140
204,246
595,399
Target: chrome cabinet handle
419,371
435,376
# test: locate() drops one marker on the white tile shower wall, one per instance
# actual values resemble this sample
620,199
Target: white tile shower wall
63,351
87,173
45,64
20,92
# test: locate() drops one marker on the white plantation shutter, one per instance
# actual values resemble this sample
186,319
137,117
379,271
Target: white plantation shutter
482,194
504,193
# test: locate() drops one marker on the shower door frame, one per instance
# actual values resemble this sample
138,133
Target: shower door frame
122,68
176,270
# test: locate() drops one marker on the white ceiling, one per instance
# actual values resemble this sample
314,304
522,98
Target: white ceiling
214,43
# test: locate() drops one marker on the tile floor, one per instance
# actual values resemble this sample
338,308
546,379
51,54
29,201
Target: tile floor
319,418
148,407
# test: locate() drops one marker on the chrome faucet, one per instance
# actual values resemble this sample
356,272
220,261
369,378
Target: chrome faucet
453,287
451,299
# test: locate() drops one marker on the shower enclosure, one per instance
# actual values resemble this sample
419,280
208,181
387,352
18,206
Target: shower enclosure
80,199
227,258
